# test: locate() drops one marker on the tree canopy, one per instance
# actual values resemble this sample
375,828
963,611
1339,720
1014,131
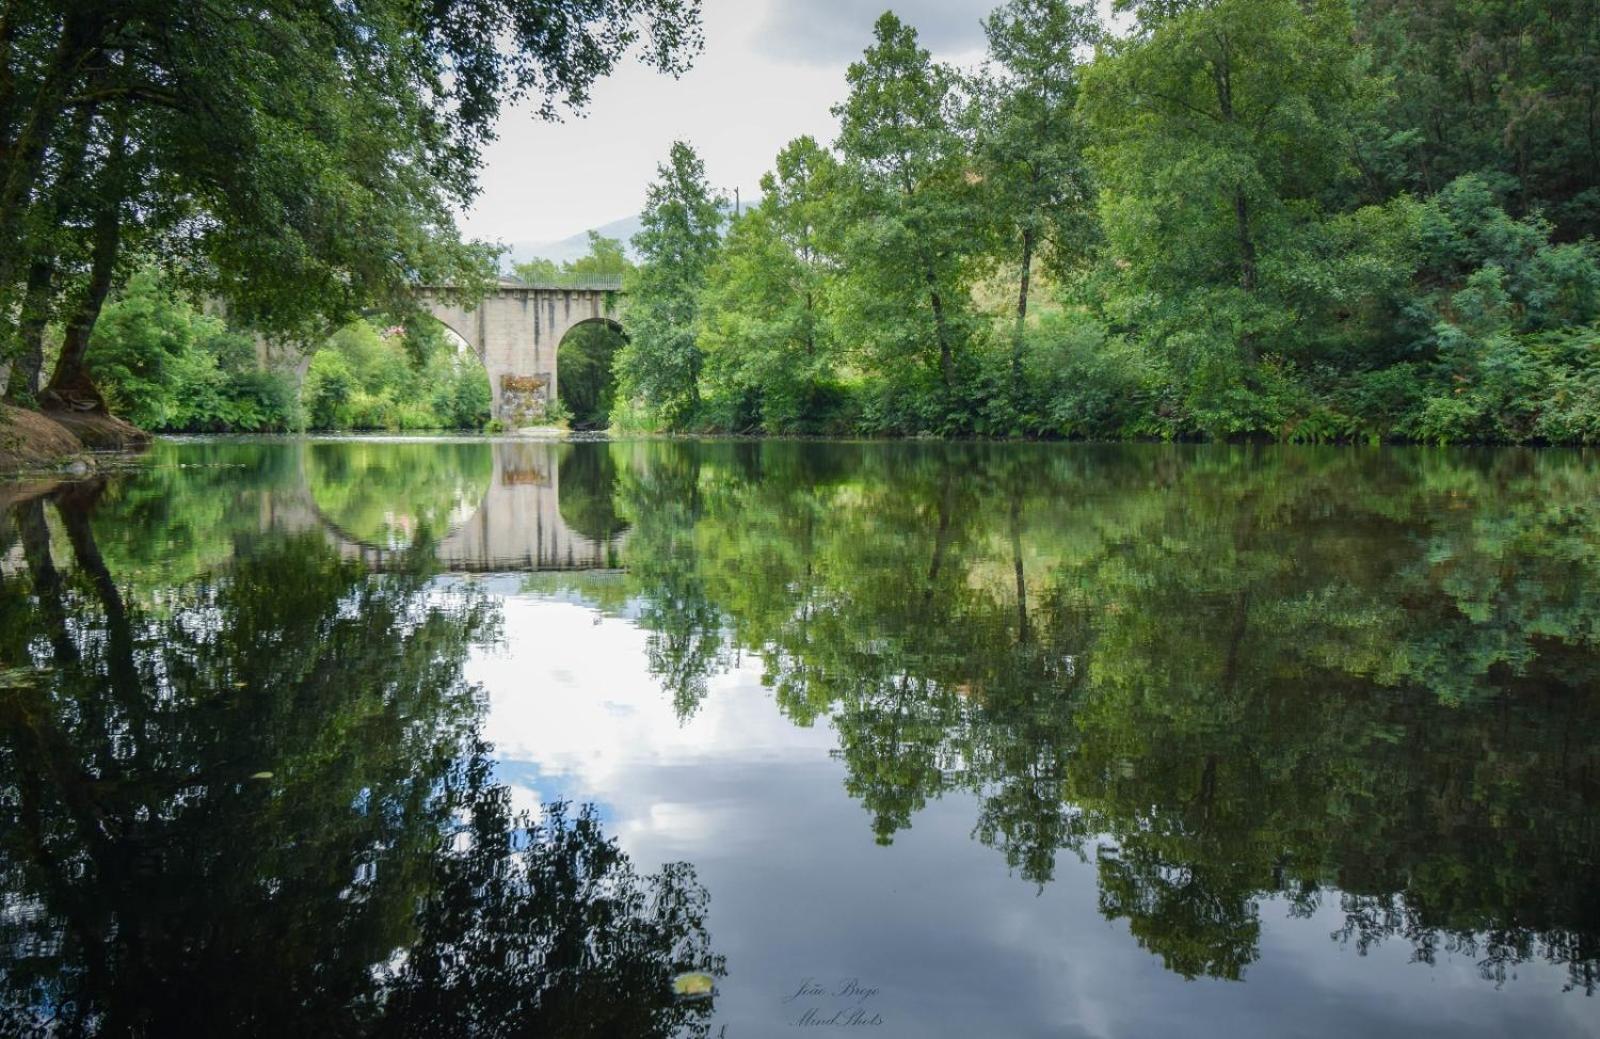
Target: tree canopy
300,161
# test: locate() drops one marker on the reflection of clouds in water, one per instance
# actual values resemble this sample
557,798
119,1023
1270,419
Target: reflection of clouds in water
616,717
958,946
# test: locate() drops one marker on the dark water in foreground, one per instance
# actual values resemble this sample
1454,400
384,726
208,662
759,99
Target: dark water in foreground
895,740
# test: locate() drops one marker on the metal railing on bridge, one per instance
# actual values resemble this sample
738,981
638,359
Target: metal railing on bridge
565,284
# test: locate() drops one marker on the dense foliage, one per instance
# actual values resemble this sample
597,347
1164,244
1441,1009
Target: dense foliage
166,366
302,162
163,365
373,378
1299,219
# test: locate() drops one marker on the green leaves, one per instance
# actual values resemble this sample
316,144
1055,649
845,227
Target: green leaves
771,352
304,166
164,365
659,368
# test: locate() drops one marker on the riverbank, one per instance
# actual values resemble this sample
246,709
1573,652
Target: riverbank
32,441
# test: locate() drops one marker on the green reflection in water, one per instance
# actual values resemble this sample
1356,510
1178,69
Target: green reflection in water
396,495
1232,679
256,802
1366,679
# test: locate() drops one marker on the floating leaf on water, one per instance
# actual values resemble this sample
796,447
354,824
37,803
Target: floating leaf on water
693,985
262,775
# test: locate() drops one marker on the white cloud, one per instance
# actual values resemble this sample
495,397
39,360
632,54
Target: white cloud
770,72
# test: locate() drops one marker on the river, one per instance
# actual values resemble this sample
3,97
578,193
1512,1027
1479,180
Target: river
394,737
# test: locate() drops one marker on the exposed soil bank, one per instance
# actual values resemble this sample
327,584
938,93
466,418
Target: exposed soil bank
30,441
99,432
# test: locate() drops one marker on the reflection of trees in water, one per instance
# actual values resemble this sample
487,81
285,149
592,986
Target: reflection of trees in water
396,495
1230,676
257,803
588,483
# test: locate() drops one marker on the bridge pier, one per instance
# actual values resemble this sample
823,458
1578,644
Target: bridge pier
516,331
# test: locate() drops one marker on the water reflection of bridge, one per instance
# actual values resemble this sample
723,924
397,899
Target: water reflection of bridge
516,525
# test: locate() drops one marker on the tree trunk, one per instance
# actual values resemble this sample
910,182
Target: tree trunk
1247,245
70,387
23,151
947,362
1247,266
23,386
1022,309
47,582
37,303
1024,632
941,541
74,505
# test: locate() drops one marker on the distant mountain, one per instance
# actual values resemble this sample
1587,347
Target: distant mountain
572,248
568,249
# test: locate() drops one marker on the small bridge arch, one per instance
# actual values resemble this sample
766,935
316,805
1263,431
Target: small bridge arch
516,330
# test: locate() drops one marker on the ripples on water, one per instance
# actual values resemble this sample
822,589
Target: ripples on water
367,737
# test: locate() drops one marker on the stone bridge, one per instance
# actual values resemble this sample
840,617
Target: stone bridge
516,331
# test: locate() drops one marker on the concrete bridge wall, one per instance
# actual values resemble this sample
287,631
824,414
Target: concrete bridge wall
516,331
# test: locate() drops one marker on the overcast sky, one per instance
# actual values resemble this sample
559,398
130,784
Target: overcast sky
770,72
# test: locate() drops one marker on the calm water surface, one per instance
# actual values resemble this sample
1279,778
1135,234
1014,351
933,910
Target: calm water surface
411,738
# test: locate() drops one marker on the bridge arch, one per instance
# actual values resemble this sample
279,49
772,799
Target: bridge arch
476,349
517,329
585,367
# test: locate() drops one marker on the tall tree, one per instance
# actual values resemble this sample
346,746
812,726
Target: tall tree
769,349
606,258
911,239
1029,138
1219,127
660,367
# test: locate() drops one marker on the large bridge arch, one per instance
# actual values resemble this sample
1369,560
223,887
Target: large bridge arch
516,330
586,382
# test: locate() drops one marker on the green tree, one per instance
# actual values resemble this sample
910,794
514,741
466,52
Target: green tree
606,258
586,362
1029,140
910,229
539,271
770,351
659,368
1219,129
